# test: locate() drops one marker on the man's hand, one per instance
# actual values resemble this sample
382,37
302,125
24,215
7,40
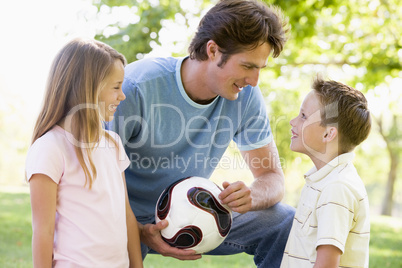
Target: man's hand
151,236
237,196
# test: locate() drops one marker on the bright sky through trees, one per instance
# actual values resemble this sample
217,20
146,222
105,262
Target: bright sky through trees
32,33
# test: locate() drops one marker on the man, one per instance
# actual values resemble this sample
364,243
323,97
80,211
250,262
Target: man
181,114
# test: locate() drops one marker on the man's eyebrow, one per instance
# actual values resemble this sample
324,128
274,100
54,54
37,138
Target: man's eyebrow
253,65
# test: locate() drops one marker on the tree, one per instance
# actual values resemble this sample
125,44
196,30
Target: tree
389,126
137,38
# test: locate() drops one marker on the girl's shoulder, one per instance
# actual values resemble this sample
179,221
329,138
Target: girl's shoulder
48,154
54,143
51,139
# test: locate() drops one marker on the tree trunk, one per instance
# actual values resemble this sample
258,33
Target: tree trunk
389,191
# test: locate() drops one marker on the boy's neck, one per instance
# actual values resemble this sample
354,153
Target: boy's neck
322,159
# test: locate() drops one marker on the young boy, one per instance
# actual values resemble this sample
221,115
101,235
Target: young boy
331,227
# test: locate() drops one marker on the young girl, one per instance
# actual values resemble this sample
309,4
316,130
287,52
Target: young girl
81,216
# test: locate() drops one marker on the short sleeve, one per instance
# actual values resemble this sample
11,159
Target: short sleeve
336,209
121,155
254,131
44,157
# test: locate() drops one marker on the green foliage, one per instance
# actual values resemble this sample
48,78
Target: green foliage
358,33
142,32
328,32
145,30
15,237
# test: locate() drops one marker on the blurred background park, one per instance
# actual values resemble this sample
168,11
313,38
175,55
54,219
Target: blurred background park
357,42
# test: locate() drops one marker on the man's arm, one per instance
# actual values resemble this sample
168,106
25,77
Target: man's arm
268,186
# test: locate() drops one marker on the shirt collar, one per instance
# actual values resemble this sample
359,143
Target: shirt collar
314,175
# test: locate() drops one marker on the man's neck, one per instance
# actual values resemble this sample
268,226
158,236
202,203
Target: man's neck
194,79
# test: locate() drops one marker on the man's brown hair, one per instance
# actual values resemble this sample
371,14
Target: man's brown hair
237,26
347,108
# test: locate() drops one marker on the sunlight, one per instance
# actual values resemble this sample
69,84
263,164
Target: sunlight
36,33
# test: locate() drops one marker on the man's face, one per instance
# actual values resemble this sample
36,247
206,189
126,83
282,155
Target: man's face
240,70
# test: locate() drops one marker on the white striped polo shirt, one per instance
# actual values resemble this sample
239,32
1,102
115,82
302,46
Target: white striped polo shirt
333,210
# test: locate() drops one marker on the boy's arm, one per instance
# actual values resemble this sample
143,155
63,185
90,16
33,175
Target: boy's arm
133,236
328,256
43,204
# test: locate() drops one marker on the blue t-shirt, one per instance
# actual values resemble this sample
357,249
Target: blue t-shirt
167,136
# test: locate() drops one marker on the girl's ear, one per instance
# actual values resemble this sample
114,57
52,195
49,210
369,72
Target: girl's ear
212,49
330,134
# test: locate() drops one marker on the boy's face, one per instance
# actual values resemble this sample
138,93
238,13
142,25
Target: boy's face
307,133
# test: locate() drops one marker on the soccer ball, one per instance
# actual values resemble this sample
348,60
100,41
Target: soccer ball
197,219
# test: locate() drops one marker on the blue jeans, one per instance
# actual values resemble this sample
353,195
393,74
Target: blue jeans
262,233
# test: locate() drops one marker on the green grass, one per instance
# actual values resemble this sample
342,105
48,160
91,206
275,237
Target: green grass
386,242
15,241
15,230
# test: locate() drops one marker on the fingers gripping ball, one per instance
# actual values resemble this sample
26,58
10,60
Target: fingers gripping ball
197,219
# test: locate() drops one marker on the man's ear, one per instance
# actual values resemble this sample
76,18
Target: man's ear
330,134
212,49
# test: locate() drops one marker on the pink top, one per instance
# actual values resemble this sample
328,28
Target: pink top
90,228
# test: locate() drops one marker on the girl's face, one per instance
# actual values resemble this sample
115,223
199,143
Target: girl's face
307,133
111,95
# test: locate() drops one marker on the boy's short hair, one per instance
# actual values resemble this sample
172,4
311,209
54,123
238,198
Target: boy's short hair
346,107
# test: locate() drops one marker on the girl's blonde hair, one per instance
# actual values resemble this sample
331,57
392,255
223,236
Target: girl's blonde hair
75,80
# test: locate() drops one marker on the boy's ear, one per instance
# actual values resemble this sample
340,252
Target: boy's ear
330,134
